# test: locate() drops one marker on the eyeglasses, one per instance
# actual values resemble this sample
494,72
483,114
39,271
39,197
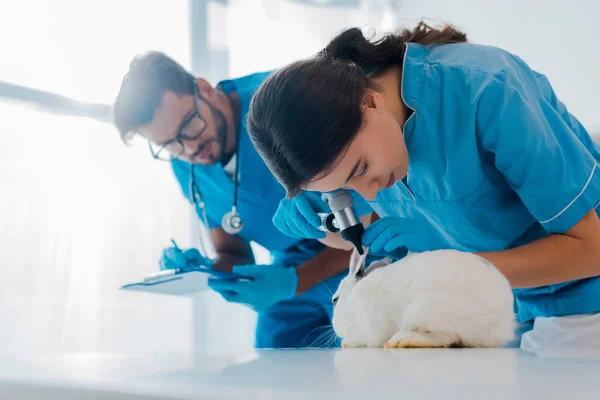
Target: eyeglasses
174,148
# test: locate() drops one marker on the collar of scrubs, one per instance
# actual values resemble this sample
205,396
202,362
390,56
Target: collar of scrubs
229,168
412,76
252,182
411,80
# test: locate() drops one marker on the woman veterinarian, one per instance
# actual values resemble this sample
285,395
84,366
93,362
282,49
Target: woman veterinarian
455,146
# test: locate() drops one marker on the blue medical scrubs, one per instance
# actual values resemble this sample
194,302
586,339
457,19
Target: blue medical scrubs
301,321
496,161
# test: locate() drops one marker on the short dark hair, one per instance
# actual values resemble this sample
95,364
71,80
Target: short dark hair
306,114
150,76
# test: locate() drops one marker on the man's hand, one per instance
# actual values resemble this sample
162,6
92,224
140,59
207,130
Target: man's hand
175,258
264,286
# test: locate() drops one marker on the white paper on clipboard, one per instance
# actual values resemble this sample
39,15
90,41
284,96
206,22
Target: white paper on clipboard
177,282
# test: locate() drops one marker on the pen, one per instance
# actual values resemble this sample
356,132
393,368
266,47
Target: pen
179,251
161,274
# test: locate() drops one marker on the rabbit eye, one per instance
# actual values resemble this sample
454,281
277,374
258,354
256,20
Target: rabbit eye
335,300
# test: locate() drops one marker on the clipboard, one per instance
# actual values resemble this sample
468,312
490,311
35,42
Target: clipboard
179,282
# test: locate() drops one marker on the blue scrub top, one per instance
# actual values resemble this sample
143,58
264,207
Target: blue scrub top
259,193
496,161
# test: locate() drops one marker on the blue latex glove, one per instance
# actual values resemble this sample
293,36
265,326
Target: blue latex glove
395,255
266,285
173,258
388,234
298,217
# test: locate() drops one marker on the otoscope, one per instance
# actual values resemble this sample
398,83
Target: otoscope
343,219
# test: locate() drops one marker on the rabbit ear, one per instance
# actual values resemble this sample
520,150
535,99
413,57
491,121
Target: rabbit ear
378,264
357,263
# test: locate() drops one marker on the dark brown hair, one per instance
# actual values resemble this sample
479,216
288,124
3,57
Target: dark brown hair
307,114
150,76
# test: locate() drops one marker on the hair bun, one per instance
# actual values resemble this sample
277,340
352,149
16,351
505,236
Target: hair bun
347,46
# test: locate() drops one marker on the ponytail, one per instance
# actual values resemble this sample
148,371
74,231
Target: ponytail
353,47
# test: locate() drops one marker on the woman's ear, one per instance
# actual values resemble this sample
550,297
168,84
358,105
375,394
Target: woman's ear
372,100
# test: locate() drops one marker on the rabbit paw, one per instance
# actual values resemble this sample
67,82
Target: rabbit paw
416,339
350,345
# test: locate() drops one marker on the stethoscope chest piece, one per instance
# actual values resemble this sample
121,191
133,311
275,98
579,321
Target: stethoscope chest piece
232,222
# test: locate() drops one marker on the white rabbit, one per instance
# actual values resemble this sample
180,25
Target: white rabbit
442,298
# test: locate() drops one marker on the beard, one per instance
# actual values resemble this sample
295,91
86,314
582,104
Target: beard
220,139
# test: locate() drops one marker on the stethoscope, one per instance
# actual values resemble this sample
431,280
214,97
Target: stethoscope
232,222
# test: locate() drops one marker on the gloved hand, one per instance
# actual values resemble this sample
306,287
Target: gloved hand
395,255
298,217
266,285
388,234
173,258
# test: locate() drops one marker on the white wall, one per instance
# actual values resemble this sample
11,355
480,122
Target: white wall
266,34
82,214
556,37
